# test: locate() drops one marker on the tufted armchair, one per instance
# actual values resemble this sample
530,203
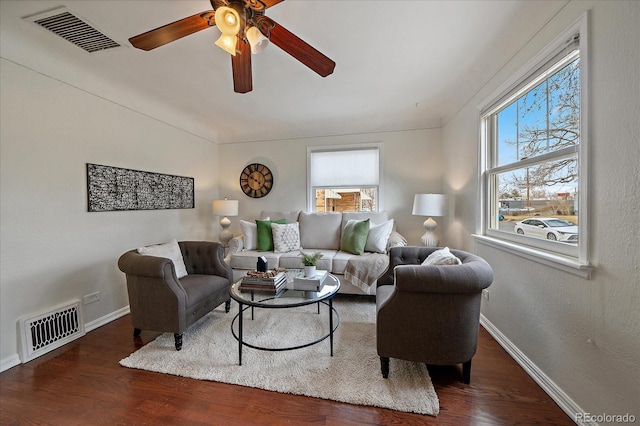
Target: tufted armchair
430,314
159,301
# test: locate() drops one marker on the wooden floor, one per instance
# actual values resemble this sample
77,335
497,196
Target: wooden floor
83,384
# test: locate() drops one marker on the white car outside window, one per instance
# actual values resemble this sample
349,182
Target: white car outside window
550,228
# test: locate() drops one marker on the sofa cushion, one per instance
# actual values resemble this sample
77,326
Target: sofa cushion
293,260
375,217
248,259
354,236
320,230
286,237
340,261
378,237
170,250
265,235
289,217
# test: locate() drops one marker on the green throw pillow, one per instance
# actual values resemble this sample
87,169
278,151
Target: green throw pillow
354,236
265,237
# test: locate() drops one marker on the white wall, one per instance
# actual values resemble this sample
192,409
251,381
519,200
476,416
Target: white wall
411,163
52,249
584,335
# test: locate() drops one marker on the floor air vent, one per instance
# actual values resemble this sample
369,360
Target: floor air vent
49,330
70,27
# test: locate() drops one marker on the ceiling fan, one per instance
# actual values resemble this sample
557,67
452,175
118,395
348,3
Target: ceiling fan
245,29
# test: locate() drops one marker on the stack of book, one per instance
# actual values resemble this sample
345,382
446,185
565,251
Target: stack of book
314,283
270,282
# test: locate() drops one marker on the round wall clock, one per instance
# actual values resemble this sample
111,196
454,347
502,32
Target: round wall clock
256,180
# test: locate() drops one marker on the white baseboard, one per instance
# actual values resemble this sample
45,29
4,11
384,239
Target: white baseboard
13,360
9,362
106,319
565,402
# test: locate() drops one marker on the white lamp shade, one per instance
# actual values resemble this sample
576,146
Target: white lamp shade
430,205
225,207
227,20
257,40
227,43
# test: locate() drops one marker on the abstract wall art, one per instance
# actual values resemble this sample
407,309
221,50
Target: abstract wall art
113,188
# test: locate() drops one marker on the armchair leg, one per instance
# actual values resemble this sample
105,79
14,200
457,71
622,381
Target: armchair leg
136,332
227,306
466,372
178,337
384,366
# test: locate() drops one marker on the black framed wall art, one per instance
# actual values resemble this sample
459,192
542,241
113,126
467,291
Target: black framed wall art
114,188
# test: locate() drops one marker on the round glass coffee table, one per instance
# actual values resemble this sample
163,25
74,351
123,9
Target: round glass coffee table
286,298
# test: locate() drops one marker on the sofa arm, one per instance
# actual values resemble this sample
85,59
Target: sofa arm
236,244
470,277
396,240
133,263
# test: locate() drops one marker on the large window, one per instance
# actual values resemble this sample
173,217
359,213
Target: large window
533,136
345,179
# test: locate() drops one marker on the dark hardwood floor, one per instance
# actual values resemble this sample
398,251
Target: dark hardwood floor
83,384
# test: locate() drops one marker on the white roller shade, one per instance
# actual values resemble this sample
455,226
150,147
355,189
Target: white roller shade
357,167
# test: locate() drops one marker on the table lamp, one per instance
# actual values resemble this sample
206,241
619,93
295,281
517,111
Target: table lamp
225,208
430,205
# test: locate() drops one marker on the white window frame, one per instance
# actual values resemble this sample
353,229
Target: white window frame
311,190
542,251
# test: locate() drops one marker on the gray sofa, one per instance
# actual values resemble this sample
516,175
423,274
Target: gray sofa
430,313
320,232
160,301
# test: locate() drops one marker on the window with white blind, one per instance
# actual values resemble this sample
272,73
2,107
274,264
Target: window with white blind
344,179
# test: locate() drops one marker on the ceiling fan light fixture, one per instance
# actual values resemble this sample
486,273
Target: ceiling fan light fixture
227,43
228,20
257,40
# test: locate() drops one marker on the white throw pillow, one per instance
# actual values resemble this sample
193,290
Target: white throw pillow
250,232
171,251
378,237
286,237
442,257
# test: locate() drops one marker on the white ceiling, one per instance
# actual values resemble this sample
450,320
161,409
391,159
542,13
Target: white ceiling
399,64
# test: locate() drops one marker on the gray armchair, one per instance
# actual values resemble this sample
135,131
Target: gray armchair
430,314
159,301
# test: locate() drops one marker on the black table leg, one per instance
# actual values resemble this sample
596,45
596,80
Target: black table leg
252,306
240,335
331,324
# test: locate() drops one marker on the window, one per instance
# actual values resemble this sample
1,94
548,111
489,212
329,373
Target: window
533,160
345,179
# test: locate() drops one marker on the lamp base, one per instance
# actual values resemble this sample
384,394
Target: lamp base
429,238
225,234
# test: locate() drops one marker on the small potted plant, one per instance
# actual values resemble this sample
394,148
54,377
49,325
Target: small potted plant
310,261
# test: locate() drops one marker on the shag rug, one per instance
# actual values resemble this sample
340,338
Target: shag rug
352,375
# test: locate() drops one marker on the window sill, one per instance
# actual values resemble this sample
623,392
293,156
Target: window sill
567,264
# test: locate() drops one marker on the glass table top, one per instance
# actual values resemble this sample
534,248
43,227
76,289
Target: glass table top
287,297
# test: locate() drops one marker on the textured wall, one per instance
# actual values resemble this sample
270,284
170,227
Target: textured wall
411,163
583,334
53,250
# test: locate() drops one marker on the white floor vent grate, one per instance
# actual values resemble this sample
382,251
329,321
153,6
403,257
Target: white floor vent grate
49,330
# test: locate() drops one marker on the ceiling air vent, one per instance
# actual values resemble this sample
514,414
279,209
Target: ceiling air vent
75,30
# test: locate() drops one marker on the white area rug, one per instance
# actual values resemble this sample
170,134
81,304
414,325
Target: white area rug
352,375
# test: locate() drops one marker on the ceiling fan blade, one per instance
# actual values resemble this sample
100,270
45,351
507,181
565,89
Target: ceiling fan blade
241,65
269,3
174,31
295,46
